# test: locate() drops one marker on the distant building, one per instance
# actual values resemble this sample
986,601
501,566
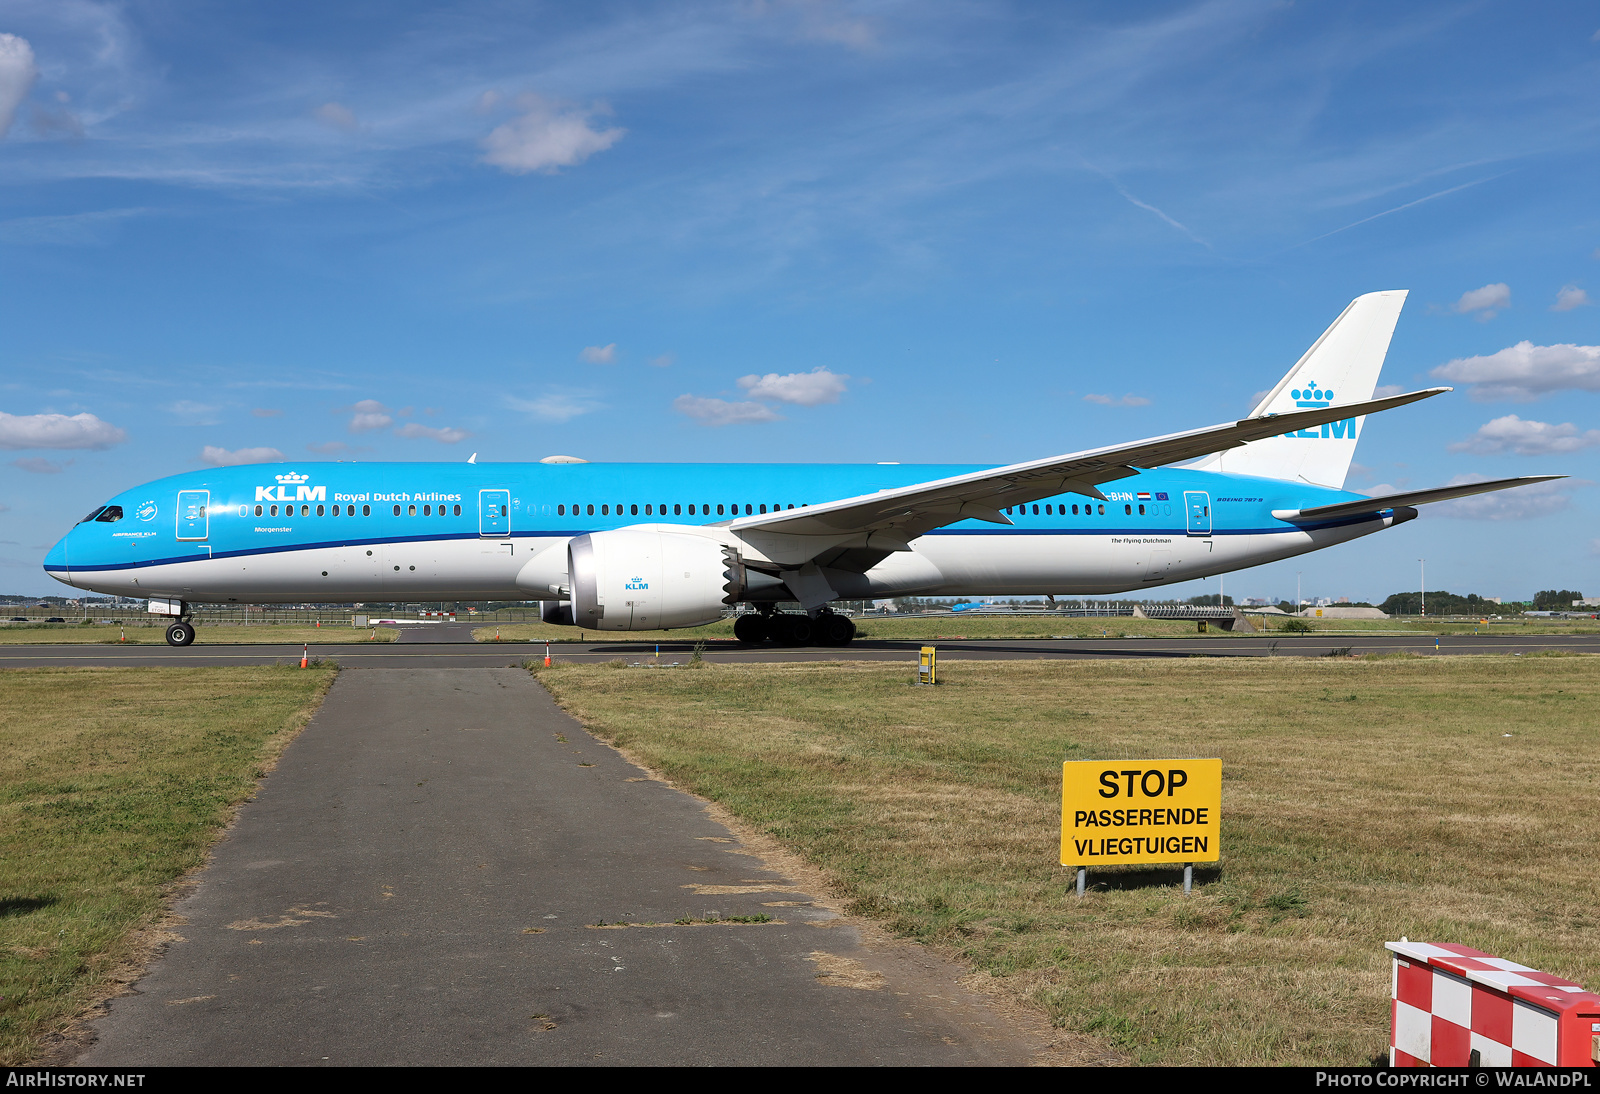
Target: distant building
1586,602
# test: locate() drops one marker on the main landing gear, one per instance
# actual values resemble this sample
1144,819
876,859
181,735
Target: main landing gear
792,629
180,633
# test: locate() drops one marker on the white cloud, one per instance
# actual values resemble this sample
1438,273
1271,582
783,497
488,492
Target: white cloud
337,115
664,361
1383,391
265,412
72,230
1570,297
801,388
1519,503
370,415
57,431
547,136
1126,400
1487,301
1527,438
599,355
17,73
221,457
1524,372
197,413
444,435
1594,546
555,407
715,412
39,466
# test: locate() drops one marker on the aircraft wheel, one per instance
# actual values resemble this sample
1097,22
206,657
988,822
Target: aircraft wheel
180,634
793,630
835,630
752,630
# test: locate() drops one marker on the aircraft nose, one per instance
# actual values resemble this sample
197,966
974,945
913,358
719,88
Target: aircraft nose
55,563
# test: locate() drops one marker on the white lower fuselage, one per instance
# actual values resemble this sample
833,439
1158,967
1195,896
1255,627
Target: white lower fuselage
1007,562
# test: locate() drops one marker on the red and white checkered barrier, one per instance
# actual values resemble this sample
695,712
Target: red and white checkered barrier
1451,1002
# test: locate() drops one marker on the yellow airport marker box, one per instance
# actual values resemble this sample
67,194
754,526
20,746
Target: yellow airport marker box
1139,812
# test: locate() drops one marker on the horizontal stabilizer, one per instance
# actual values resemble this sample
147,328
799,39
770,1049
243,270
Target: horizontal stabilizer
1410,497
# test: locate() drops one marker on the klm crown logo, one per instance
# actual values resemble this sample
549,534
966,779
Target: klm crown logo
1312,397
292,478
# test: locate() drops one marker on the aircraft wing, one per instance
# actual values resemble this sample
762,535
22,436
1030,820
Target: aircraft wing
894,517
1413,497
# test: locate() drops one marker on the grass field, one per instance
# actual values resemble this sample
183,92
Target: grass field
113,783
933,628
1447,799
28,634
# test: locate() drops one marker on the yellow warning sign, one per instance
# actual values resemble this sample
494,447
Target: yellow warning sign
1125,812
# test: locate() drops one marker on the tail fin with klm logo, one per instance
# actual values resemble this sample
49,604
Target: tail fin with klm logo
1340,367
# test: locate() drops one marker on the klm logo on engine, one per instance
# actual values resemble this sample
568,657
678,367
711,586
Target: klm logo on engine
297,482
637,584
1312,397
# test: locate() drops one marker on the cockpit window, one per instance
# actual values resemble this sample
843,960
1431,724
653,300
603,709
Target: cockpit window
92,514
109,515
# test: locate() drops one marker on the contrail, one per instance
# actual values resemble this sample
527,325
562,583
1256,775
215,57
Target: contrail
1123,190
1398,208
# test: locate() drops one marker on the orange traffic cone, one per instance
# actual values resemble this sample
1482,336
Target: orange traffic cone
547,655
305,656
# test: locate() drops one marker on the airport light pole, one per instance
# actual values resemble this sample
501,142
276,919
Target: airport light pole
1422,581
1299,602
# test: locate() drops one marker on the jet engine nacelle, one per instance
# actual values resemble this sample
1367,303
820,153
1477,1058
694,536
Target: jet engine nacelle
644,580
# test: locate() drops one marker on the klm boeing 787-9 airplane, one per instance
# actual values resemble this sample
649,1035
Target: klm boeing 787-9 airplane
621,547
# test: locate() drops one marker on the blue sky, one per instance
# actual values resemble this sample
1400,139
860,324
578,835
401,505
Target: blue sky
799,231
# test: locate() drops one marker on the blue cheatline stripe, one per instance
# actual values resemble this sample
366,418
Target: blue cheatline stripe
1180,533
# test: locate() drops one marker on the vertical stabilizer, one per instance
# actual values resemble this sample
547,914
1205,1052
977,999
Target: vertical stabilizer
1341,367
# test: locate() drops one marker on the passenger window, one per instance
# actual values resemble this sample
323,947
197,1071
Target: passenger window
749,509
397,510
272,511
691,508
1035,510
719,510
1047,510
1074,510
561,510
258,510
366,510
244,510
455,510
502,510
109,515
591,510
427,510
648,511
791,505
1102,510
605,510
763,508
1127,510
633,510
677,510
1141,510
321,512
411,510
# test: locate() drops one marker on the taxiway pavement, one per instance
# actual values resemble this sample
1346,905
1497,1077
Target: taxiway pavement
444,868
433,648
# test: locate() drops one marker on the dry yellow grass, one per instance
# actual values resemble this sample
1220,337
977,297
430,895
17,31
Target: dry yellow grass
156,634
113,783
1449,799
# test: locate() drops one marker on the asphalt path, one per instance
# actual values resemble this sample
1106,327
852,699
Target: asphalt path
416,650
444,868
